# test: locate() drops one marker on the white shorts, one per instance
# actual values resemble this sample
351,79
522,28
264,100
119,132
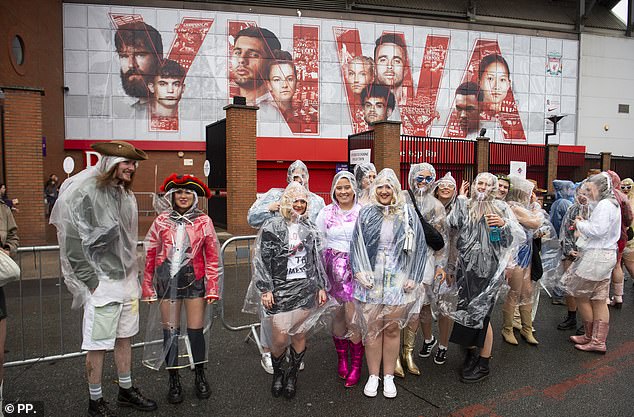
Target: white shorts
103,325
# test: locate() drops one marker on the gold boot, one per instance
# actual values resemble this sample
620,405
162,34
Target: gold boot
507,327
526,313
398,369
409,340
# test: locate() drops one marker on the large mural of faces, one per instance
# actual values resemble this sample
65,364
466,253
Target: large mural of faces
162,75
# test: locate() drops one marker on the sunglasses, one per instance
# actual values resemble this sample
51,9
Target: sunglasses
427,179
626,187
446,185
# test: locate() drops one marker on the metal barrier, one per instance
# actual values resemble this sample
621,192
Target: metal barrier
241,258
44,268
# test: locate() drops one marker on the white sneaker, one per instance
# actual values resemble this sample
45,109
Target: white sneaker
267,363
372,386
389,389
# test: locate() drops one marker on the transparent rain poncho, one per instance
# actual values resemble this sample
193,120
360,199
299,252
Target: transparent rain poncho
337,226
260,212
183,270
484,252
388,257
287,263
362,173
97,231
564,197
521,287
580,208
628,182
597,239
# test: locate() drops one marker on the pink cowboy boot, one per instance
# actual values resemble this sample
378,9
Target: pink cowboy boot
599,335
356,360
341,345
584,338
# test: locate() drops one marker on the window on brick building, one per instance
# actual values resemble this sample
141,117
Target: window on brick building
17,50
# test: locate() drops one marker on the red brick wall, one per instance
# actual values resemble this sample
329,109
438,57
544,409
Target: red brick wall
241,167
387,146
23,157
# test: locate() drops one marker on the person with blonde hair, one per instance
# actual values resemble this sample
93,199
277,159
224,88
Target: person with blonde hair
387,255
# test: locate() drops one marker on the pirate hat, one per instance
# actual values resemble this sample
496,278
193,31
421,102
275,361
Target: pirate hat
187,182
121,149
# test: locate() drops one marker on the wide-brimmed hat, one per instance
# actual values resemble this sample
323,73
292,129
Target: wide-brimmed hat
187,182
121,149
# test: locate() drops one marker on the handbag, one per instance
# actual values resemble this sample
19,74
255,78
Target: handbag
537,269
9,270
432,236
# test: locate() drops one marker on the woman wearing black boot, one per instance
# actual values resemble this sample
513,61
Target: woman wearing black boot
182,269
290,281
487,235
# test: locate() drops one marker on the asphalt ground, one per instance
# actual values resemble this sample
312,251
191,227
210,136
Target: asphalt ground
552,379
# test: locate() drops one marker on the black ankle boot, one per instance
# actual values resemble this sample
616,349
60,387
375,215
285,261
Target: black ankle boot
569,323
99,408
132,397
278,375
478,373
470,361
291,377
200,383
175,393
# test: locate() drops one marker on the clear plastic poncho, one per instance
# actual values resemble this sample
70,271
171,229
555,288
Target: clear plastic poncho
364,183
97,231
596,239
337,226
388,258
183,270
484,252
521,287
434,213
259,212
287,263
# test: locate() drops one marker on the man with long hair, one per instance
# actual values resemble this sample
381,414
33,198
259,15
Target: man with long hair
97,229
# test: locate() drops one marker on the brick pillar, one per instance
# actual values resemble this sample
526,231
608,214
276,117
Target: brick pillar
241,166
387,146
606,160
552,157
24,162
482,152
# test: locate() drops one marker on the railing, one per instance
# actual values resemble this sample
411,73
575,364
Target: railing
501,155
44,304
623,165
446,155
237,252
363,140
570,166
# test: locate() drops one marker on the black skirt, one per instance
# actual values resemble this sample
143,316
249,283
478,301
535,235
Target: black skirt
183,285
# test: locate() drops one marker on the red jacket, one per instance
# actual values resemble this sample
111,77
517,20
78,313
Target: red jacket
204,248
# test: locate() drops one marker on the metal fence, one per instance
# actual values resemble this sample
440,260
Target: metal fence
623,165
41,326
236,254
446,155
501,155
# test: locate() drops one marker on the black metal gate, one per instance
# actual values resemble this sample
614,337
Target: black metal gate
217,156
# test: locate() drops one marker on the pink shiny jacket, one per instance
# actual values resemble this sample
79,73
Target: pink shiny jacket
204,252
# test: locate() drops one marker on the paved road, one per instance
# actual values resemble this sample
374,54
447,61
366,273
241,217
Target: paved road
552,379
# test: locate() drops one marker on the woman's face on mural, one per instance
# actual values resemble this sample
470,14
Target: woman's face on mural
282,82
358,76
495,83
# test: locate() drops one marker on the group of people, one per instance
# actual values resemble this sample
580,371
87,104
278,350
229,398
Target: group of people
96,217
372,267
381,261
